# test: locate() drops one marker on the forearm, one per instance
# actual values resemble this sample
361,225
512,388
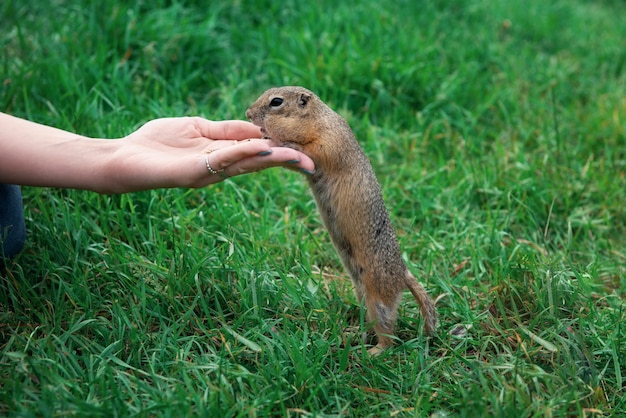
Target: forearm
38,155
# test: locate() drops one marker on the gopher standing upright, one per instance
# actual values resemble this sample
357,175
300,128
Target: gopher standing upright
350,202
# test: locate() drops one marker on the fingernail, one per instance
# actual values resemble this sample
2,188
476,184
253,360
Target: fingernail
292,161
305,171
262,153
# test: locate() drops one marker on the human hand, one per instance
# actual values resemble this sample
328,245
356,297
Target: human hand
174,152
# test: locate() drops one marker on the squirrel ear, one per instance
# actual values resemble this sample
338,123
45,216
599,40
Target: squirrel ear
304,99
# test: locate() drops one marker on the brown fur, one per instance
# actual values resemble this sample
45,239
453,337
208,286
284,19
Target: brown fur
350,202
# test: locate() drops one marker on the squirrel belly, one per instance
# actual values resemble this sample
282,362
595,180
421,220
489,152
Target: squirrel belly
358,223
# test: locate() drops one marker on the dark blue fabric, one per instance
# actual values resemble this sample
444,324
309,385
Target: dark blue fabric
12,227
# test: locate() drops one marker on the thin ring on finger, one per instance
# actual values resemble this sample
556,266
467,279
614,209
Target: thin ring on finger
208,165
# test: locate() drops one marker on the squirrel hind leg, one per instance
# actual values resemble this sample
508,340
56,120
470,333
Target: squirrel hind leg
383,315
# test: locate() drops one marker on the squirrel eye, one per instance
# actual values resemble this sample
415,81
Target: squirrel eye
276,101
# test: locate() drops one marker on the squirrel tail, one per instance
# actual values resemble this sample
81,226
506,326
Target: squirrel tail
426,304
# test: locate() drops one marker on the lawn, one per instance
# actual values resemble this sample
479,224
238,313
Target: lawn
496,128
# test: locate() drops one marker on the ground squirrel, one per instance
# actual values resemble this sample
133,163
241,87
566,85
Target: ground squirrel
350,202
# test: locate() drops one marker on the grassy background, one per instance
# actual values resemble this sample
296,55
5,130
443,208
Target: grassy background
497,130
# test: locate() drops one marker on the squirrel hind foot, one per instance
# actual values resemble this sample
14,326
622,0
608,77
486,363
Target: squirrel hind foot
384,342
375,351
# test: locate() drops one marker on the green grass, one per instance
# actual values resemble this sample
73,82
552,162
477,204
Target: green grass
498,132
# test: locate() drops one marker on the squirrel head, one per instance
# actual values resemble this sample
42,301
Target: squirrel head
295,117
287,115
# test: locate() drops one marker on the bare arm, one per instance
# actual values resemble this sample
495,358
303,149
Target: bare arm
167,152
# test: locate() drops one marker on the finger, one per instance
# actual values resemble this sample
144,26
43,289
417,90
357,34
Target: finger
223,157
227,129
285,157
224,143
